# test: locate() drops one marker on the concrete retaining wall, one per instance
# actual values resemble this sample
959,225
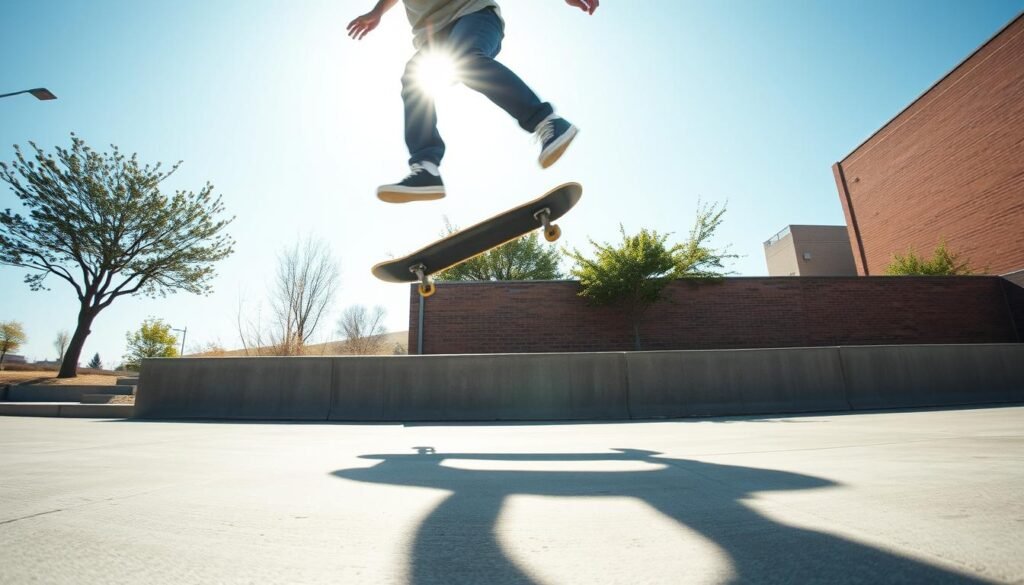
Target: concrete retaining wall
713,382
236,388
901,376
581,386
480,387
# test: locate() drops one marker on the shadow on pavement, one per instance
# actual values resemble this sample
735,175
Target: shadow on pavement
456,542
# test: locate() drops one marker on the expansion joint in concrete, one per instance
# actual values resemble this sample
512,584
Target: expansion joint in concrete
626,385
332,386
36,515
844,378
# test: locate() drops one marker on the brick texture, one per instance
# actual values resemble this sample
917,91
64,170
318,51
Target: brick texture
950,166
521,317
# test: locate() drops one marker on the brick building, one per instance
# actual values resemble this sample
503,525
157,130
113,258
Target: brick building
948,167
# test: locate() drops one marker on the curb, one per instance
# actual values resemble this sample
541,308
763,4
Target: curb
67,410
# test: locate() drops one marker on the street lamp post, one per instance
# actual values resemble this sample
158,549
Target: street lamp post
40,93
183,333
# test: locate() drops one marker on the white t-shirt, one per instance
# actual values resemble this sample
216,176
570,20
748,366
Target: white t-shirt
429,16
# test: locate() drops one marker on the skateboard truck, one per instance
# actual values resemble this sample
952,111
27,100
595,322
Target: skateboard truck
426,287
551,231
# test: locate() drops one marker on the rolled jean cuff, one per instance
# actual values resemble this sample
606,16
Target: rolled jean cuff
530,124
431,155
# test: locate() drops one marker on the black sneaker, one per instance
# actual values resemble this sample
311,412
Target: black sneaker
554,134
420,185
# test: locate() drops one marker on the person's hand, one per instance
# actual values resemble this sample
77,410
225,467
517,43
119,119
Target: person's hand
361,25
588,6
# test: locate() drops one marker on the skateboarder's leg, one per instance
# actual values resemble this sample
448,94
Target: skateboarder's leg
475,39
421,135
426,149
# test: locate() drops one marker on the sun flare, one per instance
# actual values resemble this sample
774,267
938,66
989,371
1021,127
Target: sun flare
436,72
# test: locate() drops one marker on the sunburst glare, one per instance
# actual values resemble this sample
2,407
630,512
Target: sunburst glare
436,71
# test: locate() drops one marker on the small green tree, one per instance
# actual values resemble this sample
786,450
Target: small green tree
100,222
524,258
96,363
153,340
942,263
634,274
12,337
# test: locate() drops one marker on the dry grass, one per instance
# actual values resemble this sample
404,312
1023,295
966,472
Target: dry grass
388,341
49,378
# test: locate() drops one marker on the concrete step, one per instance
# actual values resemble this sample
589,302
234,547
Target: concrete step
67,410
38,393
128,381
98,398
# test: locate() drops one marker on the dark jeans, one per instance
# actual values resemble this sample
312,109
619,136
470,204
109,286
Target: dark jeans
473,42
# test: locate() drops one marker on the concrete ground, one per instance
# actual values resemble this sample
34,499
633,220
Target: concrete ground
923,497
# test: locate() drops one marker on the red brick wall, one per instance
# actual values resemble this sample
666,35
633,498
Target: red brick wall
520,317
950,166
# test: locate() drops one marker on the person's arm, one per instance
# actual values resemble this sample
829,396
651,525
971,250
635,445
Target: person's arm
361,25
588,6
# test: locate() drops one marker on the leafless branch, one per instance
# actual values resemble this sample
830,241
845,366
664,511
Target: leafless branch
362,330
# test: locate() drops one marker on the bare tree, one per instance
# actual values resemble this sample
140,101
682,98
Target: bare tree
61,344
300,296
362,329
250,332
307,280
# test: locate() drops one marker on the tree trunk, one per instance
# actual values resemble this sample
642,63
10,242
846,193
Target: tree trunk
636,314
69,366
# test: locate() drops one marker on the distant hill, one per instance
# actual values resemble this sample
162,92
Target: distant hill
388,343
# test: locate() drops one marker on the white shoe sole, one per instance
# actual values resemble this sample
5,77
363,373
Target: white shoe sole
556,149
399,194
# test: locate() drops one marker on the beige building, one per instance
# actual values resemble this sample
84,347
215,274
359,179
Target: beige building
810,250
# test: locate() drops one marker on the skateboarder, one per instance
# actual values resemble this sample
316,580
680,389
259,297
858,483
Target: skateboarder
470,31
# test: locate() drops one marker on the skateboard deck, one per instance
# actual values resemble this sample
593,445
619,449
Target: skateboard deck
482,237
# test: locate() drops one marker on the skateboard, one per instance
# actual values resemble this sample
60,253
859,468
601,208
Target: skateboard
469,243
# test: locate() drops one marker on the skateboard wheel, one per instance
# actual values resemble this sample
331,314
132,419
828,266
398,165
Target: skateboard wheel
552,233
427,289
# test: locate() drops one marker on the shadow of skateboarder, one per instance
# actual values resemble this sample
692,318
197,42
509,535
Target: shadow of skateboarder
457,542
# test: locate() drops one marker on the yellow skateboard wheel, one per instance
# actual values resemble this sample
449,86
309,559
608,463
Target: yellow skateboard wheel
552,233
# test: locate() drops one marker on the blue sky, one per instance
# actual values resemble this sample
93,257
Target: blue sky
748,102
